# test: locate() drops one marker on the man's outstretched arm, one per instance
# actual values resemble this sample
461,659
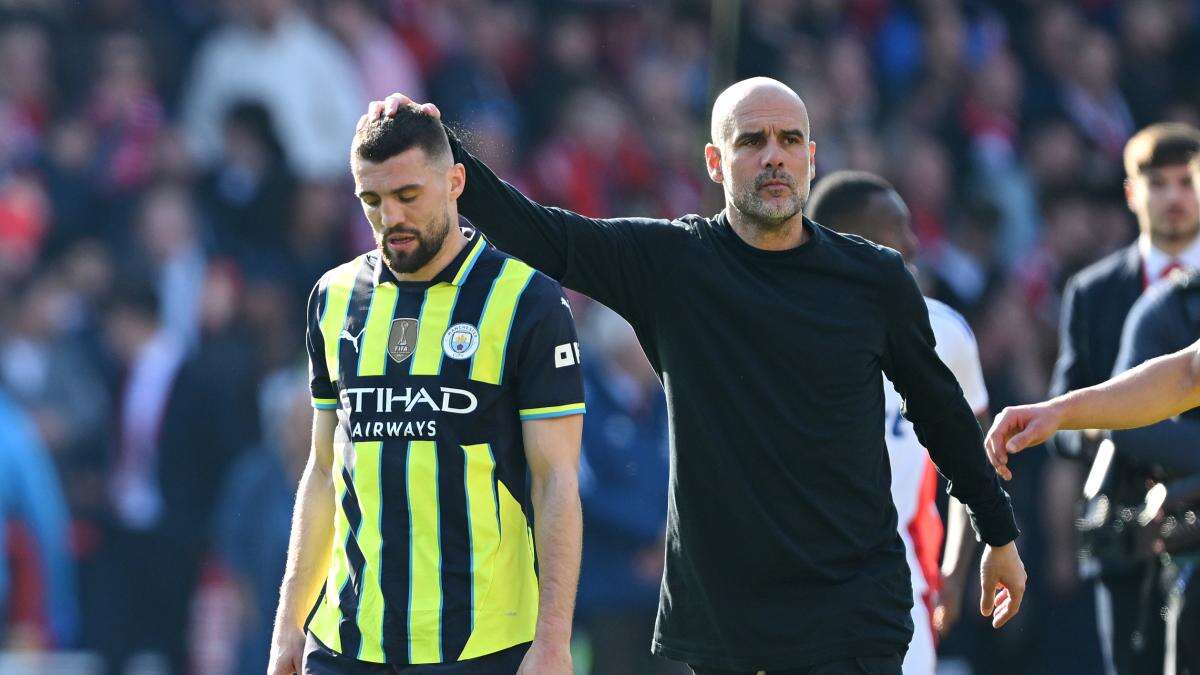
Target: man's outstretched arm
608,259
1154,391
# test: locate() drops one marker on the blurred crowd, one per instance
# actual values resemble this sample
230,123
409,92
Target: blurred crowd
173,179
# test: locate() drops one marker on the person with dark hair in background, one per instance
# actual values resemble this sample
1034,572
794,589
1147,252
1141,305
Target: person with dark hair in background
771,335
255,509
169,457
863,204
1159,190
445,446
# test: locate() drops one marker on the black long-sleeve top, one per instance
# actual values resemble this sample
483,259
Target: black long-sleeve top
1165,320
782,550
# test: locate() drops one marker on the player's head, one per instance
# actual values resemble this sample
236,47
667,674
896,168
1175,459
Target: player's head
407,181
761,151
857,202
1158,184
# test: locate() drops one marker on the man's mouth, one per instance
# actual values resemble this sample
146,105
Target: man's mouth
400,241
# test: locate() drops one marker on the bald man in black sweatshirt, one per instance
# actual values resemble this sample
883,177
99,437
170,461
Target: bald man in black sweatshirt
771,335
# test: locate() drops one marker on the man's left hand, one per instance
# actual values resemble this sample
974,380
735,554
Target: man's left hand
1003,577
949,604
545,659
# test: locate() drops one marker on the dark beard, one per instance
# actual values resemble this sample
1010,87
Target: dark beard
427,247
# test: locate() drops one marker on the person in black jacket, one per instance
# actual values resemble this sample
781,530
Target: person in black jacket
771,335
1095,304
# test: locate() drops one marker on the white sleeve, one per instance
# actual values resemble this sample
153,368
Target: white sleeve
956,345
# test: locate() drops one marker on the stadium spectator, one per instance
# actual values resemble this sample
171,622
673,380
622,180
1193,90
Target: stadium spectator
31,498
623,486
254,512
272,52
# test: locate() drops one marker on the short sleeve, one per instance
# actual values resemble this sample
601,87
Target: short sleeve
324,395
549,379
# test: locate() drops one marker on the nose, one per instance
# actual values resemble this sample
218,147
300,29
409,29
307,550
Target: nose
391,213
773,154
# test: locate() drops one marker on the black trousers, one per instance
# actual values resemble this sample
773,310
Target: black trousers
862,665
321,660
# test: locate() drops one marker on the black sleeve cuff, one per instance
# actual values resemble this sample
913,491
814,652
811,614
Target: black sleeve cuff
994,522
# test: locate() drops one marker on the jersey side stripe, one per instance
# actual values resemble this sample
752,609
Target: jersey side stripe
337,306
496,322
435,319
425,575
372,348
483,522
369,456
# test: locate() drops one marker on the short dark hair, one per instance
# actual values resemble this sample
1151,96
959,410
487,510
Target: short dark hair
1162,144
387,137
839,196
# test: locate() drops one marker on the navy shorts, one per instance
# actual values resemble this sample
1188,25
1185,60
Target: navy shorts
321,660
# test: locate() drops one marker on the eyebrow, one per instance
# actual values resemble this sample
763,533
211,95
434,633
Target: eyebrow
756,135
402,188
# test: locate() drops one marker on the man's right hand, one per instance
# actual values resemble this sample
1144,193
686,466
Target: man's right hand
287,652
1017,428
389,106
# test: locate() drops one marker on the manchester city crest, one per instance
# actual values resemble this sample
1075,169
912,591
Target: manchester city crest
461,341
402,340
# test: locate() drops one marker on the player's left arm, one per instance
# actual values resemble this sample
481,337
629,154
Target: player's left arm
552,449
549,392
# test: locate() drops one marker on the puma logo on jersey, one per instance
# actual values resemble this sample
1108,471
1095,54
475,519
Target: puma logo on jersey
346,335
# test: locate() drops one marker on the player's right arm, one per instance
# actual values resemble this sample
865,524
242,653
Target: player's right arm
309,549
1154,391
610,260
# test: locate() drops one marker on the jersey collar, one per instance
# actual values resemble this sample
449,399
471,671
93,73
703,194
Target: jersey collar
455,273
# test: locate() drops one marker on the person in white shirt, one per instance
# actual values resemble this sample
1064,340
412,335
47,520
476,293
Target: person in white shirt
860,203
273,53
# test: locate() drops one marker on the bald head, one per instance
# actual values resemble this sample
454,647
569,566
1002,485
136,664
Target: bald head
751,98
761,154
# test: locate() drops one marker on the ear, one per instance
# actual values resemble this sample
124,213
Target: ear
457,177
1129,193
712,162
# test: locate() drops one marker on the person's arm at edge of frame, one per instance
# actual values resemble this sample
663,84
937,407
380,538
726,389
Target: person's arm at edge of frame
309,549
1158,389
552,449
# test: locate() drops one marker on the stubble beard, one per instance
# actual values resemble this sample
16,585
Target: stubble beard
764,216
427,247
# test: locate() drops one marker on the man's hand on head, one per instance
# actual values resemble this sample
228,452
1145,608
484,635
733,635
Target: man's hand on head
391,104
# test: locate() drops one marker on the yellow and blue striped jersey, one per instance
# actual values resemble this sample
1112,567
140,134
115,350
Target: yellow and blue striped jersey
433,556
